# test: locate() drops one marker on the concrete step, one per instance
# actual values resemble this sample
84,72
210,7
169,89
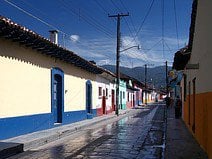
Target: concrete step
8,149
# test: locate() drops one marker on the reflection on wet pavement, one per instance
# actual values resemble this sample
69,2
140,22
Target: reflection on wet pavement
120,139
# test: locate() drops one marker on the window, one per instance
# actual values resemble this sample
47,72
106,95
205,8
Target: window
185,86
123,95
106,92
128,96
100,91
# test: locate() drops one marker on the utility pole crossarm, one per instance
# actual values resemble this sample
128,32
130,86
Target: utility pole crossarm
118,15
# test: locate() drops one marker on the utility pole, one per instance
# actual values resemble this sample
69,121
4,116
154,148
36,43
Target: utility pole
145,84
167,91
118,16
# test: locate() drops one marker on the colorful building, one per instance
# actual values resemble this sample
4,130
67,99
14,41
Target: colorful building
130,102
42,84
196,85
139,93
130,90
106,93
122,94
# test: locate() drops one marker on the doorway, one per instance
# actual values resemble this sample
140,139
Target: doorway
89,97
103,105
120,104
57,100
113,100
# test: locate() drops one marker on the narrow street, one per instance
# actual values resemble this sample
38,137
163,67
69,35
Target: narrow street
137,136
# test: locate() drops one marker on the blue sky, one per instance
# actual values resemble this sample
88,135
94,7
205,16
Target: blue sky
86,29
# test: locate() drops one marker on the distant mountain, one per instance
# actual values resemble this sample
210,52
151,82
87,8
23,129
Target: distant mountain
155,76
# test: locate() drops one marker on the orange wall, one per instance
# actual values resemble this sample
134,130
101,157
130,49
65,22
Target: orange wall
203,119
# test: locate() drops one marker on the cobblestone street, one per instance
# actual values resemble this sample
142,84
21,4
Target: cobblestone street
137,136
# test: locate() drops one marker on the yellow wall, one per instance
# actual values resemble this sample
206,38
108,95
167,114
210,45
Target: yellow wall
25,82
203,120
75,88
24,86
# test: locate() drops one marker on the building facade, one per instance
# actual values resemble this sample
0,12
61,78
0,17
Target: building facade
106,93
196,86
122,95
42,85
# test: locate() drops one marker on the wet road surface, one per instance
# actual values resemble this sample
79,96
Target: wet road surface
136,136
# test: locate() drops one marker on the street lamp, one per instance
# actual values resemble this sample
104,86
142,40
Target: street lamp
130,48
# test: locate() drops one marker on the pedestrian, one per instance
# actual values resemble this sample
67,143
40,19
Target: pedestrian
168,101
178,107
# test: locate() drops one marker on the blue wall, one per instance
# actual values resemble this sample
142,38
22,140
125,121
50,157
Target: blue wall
15,126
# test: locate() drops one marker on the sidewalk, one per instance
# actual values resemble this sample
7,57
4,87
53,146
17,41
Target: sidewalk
180,144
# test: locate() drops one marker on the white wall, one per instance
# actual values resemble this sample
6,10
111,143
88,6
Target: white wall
201,51
104,83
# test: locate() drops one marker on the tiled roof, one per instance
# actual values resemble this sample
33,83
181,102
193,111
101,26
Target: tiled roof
126,77
28,38
182,56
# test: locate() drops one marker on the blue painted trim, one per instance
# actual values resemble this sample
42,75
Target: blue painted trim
94,112
74,116
15,126
89,104
57,71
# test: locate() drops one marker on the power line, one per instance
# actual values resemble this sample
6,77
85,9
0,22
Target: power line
130,16
104,10
125,8
99,4
115,6
29,14
125,22
162,10
118,9
47,24
167,46
90,21
154,45
176,26
145,17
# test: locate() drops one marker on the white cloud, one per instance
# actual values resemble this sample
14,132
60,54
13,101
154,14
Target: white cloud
151,50
74,38
94,49
104,62
103,50
173,41
138,54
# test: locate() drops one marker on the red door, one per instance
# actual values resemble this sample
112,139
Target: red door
104,105
113,100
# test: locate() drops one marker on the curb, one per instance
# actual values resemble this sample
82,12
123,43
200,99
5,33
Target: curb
46,136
